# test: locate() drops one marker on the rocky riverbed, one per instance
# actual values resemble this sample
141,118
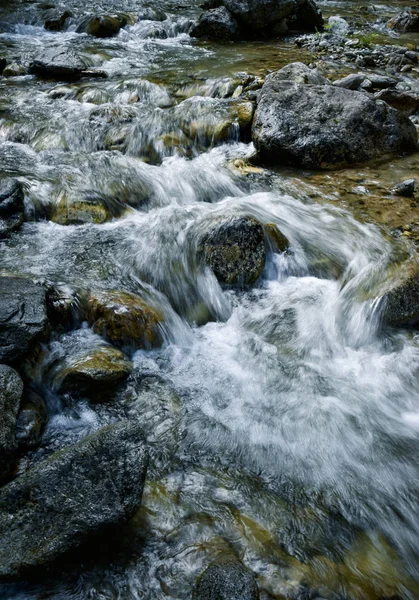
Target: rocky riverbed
209,300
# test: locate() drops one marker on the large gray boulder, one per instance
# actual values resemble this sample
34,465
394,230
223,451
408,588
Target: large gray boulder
323,126
23,316
216,24
11,206
76,492
405,21
58,63
253,18
11,388
227,580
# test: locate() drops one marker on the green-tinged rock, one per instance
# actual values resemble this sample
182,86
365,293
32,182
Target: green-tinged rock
92,207
102,26
235,251
11,388
55,506
276,238
31,421
98,371
226,580
124,319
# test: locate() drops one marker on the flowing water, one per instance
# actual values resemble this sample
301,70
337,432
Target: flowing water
283,420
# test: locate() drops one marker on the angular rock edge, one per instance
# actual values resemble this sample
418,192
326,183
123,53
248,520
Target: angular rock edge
76,492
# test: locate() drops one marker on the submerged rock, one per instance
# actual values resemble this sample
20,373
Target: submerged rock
405,21
228,580
124,319
216,24
235,251
23,316
11,388
102,26
76,492
323,126
96,373
58,63
31,421
11,206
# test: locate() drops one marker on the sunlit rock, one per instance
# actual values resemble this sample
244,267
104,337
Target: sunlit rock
323,126
95,373
124,319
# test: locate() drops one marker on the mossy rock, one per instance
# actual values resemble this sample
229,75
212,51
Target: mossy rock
101,369
125,319
277,239
93,207
235,251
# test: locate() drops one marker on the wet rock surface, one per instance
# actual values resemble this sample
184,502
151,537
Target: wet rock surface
23,317
11,388
401,303
59,63
76,492
96,373
235,251
124,319
102,26
11,206
326,126
227,580
32,420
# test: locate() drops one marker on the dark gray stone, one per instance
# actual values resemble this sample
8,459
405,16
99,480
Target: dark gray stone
261,17
57,21
23,317
3,63
229,580
406,101
405,21
405,188
11,388
350,82
58,63
11,206
235,251
318,126
216,24
401,302
31,420
55,506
